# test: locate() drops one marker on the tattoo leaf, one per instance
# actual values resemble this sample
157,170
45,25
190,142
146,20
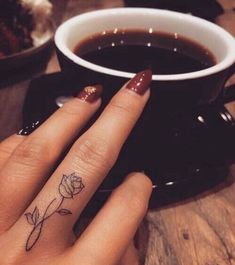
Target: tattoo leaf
64,212
69,186
34,236
35,215
29,218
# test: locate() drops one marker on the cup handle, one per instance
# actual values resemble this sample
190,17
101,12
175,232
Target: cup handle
229,93
227,131
222,132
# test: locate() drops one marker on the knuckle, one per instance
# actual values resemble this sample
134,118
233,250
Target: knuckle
121,108
31,152
94,154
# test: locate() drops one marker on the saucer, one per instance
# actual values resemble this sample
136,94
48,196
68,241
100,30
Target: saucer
171,183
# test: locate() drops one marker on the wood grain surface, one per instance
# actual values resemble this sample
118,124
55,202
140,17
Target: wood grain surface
198,231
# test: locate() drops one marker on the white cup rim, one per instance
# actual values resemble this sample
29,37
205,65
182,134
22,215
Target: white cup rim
224,64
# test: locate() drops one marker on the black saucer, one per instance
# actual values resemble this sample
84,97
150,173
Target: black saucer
172,183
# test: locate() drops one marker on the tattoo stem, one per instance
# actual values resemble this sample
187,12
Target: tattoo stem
70,185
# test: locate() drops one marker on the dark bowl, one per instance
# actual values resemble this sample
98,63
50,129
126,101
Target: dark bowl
24,64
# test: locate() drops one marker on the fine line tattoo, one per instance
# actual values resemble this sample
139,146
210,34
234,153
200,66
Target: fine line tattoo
69,186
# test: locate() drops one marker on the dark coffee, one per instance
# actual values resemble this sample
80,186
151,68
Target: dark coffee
135,50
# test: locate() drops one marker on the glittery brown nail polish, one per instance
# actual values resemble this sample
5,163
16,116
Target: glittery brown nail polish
27,130
140,82
90,93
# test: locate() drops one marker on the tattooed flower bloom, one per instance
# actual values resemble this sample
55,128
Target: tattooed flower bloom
70,185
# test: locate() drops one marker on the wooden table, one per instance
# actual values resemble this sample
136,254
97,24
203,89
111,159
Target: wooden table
199,231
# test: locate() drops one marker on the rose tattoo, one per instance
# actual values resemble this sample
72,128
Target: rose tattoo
69,186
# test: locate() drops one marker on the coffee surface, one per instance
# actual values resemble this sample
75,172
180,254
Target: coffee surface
135,50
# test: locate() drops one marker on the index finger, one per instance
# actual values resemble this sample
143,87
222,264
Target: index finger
123,111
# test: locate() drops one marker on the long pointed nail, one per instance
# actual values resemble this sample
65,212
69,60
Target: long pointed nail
140,82
90,93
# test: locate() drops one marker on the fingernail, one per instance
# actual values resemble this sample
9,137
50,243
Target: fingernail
90,93
27,130
140,82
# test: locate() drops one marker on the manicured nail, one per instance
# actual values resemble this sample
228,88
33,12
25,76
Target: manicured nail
27,130
90,93
140,82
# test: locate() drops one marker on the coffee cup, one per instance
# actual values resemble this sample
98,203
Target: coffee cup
185,132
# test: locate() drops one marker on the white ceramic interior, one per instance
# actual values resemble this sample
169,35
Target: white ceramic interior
211,36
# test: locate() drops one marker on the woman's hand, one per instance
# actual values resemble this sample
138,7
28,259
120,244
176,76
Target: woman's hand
39,204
